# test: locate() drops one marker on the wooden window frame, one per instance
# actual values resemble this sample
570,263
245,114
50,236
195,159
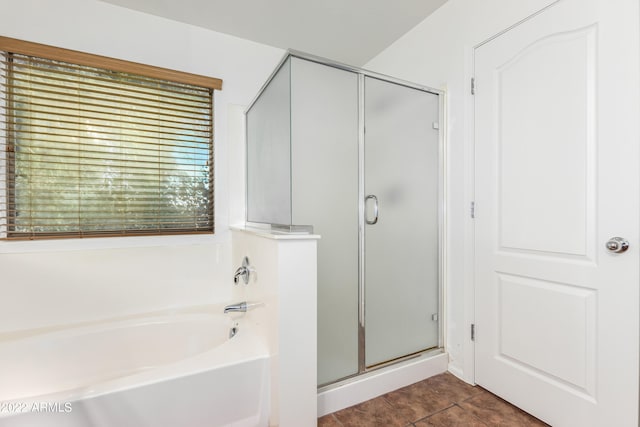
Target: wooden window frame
91,60
75,57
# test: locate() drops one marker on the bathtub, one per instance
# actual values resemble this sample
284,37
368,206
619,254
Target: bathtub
176,368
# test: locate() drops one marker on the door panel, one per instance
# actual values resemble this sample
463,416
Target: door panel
524,338
556,176
549,151
325,193
401,249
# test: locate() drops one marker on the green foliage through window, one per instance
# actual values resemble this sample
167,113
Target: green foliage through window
88,151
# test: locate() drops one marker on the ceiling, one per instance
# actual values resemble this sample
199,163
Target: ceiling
350,31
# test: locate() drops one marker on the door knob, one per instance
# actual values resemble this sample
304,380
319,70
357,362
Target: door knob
617,245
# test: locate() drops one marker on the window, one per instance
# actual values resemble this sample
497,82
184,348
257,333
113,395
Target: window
92,146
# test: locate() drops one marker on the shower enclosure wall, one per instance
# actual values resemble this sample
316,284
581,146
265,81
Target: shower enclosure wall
356,157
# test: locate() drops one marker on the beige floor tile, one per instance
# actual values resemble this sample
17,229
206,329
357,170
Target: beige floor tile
449,387
494,411
451,417
372,413
329,421
416,402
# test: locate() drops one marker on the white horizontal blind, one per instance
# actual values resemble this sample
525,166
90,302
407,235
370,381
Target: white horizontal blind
88,152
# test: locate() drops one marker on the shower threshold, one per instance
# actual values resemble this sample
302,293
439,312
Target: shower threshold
381,379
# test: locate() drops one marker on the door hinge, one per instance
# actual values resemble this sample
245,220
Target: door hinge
473,86
473,332
472,209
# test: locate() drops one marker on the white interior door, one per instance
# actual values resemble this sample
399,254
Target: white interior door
557,161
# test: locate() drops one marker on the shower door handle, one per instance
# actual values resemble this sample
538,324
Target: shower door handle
375,209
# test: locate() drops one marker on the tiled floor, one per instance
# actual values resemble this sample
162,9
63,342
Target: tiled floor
439,401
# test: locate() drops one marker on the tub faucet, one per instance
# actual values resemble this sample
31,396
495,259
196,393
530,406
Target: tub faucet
239,307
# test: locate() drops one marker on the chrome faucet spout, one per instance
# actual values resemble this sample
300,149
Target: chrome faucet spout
240,307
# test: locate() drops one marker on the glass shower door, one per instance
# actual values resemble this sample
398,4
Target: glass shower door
401,239
324,168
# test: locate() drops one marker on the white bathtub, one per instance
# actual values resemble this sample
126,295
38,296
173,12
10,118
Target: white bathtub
170,369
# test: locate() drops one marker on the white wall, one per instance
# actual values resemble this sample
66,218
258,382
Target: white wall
57,282
438,53
283,285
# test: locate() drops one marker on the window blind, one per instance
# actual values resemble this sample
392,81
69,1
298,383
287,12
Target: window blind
87,151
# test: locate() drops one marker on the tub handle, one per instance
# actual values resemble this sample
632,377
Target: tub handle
244,272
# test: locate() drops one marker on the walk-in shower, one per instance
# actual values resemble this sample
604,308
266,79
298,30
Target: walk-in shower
356,157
